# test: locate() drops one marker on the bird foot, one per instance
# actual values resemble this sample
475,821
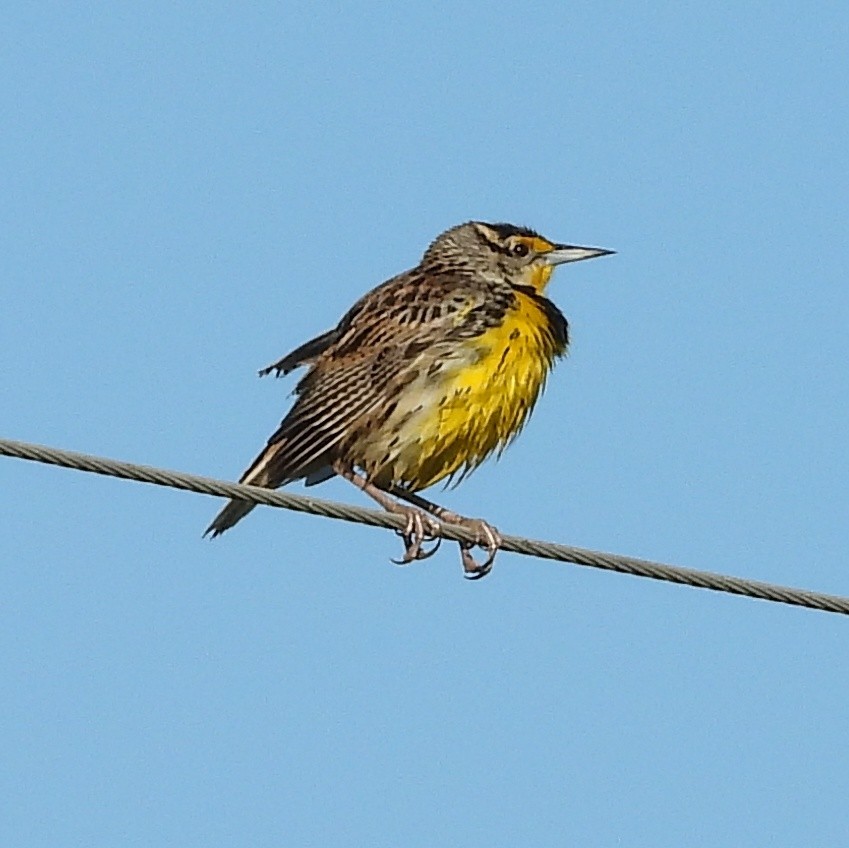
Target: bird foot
420,528
486,537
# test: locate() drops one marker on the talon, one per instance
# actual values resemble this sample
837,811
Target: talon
488,538
420,528
472,568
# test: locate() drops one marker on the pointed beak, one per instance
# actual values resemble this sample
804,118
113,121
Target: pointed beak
570,253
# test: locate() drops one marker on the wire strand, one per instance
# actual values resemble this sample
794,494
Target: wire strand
374,518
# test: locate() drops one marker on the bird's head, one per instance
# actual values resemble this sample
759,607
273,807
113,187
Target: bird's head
505,251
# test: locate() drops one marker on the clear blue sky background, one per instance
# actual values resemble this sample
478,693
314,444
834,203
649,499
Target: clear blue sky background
188,193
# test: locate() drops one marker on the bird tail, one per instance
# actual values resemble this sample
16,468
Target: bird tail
259,474
234,512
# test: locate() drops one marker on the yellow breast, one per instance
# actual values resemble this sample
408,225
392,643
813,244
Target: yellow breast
480,406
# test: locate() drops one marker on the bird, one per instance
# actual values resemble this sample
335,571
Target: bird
424,377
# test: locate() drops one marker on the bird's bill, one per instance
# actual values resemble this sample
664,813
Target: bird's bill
563,253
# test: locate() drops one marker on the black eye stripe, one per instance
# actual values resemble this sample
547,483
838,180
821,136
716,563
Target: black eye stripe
517,249
493,246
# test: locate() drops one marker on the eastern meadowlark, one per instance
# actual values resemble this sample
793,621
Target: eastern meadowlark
424,377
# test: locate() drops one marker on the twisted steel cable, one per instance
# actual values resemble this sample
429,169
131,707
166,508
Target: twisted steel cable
374,518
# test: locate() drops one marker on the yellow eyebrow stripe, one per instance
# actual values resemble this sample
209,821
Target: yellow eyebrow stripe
537,243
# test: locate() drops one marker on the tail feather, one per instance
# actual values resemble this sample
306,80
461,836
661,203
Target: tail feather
234,512
300,448
258,474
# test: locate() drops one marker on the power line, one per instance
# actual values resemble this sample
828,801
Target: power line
374,518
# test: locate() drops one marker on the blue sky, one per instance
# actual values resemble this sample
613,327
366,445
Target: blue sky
191,192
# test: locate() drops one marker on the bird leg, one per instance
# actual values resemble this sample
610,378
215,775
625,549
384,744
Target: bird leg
486,536
420,527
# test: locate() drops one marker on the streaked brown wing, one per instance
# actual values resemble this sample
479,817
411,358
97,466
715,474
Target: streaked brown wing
358,366
303,355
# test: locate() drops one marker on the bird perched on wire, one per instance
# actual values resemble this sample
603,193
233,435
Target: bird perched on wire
425,377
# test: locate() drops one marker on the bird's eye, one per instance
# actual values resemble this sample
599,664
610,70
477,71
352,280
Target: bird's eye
521,249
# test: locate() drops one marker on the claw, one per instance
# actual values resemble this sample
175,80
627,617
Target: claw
488,538
420,528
